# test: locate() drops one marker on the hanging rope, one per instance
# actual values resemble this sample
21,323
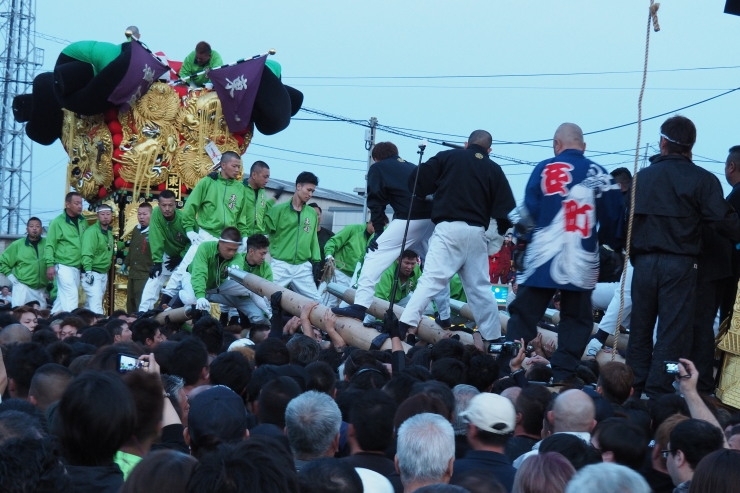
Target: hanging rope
652,19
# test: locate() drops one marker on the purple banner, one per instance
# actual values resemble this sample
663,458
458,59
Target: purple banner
143,70
236,86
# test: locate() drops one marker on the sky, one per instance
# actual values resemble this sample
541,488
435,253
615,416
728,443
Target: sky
438,70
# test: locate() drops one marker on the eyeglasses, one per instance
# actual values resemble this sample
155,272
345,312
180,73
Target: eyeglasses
665,453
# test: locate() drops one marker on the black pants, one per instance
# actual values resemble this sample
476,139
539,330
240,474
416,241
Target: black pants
709,296
663,288
574,329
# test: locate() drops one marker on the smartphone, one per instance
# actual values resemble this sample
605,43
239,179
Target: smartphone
671,367
127,362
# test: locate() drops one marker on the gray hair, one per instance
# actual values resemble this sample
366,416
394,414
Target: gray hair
607,477
312,421
425,447
463,393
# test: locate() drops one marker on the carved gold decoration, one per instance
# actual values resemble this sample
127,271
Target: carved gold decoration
88,143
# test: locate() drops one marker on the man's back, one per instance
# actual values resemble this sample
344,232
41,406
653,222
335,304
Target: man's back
673,198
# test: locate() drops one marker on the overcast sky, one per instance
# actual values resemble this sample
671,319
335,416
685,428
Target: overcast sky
439,69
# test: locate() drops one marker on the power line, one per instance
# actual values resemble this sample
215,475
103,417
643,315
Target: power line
500,76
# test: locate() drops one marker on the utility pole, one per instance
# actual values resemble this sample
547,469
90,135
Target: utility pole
19,60
369,144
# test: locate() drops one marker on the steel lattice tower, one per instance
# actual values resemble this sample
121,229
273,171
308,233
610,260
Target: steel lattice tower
19,60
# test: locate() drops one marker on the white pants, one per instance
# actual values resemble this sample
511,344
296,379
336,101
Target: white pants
456,247
175,282
609,322
22,294
154,286
233,294
94,292
389,249
68,289
298,278
329,299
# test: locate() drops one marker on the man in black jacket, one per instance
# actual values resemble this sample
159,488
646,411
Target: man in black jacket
674,200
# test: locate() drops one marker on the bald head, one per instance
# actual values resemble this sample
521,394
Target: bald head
573,410
481,138
568,136
14,333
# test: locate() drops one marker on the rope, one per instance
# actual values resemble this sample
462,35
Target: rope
652,19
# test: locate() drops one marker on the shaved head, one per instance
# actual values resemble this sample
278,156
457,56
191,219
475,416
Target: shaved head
568,136
481,138
573,410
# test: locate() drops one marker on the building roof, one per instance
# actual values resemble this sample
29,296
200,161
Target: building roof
320,193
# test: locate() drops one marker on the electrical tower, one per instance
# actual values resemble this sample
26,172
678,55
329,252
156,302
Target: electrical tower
19,60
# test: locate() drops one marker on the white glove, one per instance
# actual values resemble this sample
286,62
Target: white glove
88,278
13,280
243,246
203,304
193,237
495,240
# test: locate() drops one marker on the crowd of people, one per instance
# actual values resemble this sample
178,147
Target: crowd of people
263,400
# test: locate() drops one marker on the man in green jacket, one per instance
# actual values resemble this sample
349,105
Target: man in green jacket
345,249
257,204
203,58
207,280
97,255
295,245
217,201
24,266
63,253
168,242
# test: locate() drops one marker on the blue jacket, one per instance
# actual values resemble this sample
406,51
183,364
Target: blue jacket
574,204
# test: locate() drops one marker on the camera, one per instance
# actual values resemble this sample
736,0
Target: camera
127,362
671,367
508,348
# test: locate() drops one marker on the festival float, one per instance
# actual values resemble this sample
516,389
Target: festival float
132,128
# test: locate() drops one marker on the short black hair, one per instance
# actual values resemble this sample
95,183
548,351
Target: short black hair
143,329
329,474
303,349
679,133
189,358
271,351
626,441
371,415
384,150
231,233
321,377
34,218
258,241
167,194
307,177
274,398
696,438
22,361
211,332
96,415
262,464
450,371
232,370
258,165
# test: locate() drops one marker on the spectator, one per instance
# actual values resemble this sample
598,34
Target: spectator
573,448
690,442
717,472
48,384
329,475
160,471
32,465
232,370
463,395
491,419
621,442
573,412
312,422
21,363
530,406
257,465
96,415
217,415
370,434
147,332
425,451
607,478
271,404
543,473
